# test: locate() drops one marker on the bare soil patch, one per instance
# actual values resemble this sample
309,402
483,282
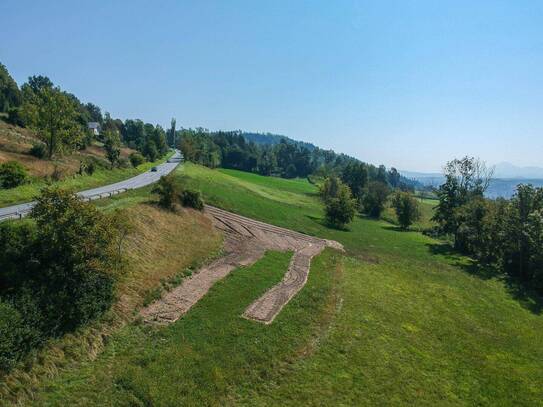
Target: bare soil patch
246,241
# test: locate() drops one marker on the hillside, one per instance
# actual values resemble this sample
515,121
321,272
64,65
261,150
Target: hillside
274,139
15,144
399,320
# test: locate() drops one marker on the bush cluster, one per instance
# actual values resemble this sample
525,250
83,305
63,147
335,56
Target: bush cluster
504,234
170,194
55,272
12,174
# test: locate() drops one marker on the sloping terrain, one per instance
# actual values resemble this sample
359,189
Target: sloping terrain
15,143
397,320
246,242
161,250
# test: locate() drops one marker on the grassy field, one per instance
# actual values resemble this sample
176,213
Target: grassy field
100,177
397,320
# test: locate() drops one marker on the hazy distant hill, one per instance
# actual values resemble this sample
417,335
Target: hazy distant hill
508,170
506,178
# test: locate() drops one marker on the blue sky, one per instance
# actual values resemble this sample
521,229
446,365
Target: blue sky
408,83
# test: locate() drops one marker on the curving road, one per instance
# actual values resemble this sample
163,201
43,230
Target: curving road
139,181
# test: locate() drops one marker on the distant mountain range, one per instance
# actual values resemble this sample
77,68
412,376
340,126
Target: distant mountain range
505,179
508,170
503,170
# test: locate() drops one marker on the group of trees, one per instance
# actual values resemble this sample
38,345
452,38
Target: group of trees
170,194
506,234
60,120
280,157
56,273
360,187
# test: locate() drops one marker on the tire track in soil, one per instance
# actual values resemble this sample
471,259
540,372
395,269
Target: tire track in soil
246,241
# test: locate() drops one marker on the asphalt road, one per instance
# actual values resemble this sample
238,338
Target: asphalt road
138,181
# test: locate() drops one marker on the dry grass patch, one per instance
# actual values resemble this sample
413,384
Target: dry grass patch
164,244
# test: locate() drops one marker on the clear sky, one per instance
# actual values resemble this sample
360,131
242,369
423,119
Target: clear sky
407,83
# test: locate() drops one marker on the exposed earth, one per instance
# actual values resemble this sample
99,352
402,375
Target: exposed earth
246,241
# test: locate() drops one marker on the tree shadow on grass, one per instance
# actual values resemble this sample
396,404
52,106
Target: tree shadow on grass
396,228
527,297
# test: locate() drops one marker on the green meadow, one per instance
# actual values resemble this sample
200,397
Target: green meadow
398,319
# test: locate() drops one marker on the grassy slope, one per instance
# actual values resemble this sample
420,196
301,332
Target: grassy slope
15,143
405,323
161,249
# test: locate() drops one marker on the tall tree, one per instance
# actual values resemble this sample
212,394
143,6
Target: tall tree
10,95
54,116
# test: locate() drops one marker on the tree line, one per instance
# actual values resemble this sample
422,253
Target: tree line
506,235
284,158
60,121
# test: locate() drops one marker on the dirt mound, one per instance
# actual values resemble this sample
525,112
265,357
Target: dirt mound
246,242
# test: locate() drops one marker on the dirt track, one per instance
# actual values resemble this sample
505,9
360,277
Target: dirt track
246,242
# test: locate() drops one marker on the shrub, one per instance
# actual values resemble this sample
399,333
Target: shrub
11,336
15,117
136,159
330,187
12,174
76,251
38,150
123,163
375,198
167,192
90,168
192,199
407,209
341,208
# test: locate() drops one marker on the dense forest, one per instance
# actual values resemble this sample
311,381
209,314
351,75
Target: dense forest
278,156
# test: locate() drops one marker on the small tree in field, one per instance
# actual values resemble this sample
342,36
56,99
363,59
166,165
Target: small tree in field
112,146
407,209
375,198
341,208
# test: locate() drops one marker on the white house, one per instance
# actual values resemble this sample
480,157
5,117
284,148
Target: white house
94,127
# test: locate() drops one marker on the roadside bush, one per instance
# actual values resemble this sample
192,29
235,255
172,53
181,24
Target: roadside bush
38,150
168,192
90,168
192,199
58,273
136,159
12,174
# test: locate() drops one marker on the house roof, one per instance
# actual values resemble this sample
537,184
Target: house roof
93,125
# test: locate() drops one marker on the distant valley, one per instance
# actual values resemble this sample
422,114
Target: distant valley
506,177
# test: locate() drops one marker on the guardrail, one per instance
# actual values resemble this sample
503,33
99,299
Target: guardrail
21,213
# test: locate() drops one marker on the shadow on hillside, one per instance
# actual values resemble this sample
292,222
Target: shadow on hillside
396,228
518,290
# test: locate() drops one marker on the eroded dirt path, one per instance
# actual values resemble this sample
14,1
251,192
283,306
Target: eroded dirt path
246,241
